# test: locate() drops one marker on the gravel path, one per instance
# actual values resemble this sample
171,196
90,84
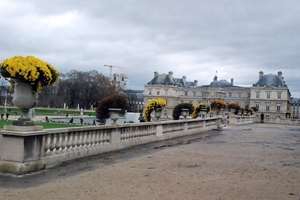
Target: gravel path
257,161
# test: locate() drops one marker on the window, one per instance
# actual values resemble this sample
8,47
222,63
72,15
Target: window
239,95
150,91
278,107
165,113
229,94
157,92
203,94
268,95
257,106
166,92
257,94
278,95
194,93
267,107
249,95
185,93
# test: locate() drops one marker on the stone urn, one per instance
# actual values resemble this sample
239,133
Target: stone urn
240,112
202,112
157,113
24,98
184,112
114,114
233,110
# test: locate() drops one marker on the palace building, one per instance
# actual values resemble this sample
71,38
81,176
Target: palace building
269,94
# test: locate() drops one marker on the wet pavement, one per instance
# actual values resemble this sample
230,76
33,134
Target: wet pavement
254,161
90,163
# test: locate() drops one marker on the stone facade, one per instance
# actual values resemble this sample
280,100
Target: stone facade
270,94
295,108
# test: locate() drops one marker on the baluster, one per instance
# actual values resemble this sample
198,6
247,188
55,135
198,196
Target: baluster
101,138
47,145
131,135
88,140
74,142
107,142
59,143
83,139
53,143
104,138
79,140
122,134
92,139
97,138
127,136
139,132
65,142
69,142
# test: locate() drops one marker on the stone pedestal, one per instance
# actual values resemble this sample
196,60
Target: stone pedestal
21,150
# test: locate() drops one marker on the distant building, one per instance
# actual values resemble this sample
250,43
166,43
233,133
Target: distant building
135,97
270,94
295,105
120,81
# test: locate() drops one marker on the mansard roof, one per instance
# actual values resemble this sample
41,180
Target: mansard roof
296,100
167,79
270,80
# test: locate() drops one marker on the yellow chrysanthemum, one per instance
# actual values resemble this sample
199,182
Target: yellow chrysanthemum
30,69
152,105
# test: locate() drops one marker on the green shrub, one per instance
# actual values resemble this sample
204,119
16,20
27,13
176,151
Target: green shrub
177,109
112,101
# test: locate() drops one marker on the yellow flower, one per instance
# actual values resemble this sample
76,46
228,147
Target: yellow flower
153,105
31,70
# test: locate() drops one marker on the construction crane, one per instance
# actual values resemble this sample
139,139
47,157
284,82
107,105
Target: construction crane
111,66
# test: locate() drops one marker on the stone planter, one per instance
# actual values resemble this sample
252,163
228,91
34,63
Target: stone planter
114,114
240,112
233,110
25,99
202,113
157,113
184,112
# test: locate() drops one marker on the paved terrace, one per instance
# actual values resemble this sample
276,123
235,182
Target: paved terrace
254,161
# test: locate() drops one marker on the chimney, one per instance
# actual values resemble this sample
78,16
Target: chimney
231,82
261,74
155,74
170,75
195,83
280,76
184,80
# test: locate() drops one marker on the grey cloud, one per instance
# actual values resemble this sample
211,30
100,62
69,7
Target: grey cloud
194,38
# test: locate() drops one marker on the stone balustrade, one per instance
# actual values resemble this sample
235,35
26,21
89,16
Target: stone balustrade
30,151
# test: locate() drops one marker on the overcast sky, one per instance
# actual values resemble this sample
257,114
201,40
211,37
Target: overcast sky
192,38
